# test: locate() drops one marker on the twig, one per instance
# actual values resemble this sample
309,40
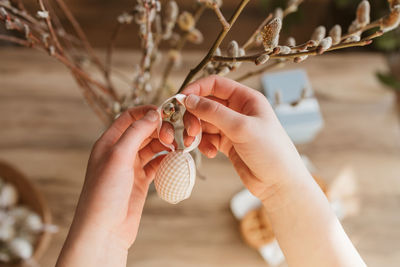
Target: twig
181,43
79,32
220,16
110,49
15,40
83,74
372,25
90,99
50,26
216,44
288,10
249,74
311,52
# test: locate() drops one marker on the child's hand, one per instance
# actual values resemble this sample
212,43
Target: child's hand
119,172
240,122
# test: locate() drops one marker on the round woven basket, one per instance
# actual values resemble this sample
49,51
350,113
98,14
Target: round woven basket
32,198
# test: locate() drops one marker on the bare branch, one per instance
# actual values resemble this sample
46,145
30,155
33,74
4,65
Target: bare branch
216,44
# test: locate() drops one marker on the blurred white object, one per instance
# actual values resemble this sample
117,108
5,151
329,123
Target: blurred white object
241,204
21,248
8,195
291,95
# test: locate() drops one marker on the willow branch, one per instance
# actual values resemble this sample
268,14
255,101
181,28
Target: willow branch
216,44
220,16
15,40
50,26
181,43
311,52
110,49
90,99
288,10
83,74
372,25
81,34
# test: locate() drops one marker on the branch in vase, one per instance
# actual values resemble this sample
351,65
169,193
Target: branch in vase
179,46
216,44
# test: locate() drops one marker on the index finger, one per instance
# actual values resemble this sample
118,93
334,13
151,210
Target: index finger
219,87
121,124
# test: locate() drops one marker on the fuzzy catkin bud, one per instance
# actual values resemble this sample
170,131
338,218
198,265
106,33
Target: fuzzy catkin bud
293,5
261,59
291,42
27,31
363,13
195,36
393,3
242,53
42,14
391,21
3,12
270,33
283,49
278,13
233,49
352,39
224,71
171,11
217,52
125,18
319,34
175,56
299,59
324,45
336,34
186,21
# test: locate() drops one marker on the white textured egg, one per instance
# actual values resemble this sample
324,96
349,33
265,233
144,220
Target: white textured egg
8,195
7,230
20,248
33,223
175,177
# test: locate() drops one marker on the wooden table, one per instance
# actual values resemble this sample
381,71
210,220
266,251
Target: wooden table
47,131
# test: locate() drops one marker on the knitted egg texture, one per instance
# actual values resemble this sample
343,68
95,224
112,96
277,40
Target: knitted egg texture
175,177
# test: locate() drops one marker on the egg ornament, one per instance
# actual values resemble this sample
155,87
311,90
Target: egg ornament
176,175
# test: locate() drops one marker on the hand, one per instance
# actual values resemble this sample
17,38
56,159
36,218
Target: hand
120,169
239,122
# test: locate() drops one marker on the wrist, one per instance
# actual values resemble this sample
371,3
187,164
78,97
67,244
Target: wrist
92,246
287,188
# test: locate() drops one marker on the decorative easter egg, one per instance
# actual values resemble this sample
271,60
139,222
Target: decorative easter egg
175,177
21,248
8,195
176,174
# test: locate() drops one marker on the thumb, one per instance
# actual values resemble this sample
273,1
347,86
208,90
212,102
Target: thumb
233,124
129,143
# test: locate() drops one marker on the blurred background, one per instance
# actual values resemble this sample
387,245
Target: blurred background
47,130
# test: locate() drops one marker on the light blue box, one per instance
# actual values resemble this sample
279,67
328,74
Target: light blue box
302,121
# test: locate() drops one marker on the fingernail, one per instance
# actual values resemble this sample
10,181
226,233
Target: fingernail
211,153
151,115
188,131
192,101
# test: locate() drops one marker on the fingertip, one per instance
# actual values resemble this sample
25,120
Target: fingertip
187,140
151,116
192,101
192,124
167,133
